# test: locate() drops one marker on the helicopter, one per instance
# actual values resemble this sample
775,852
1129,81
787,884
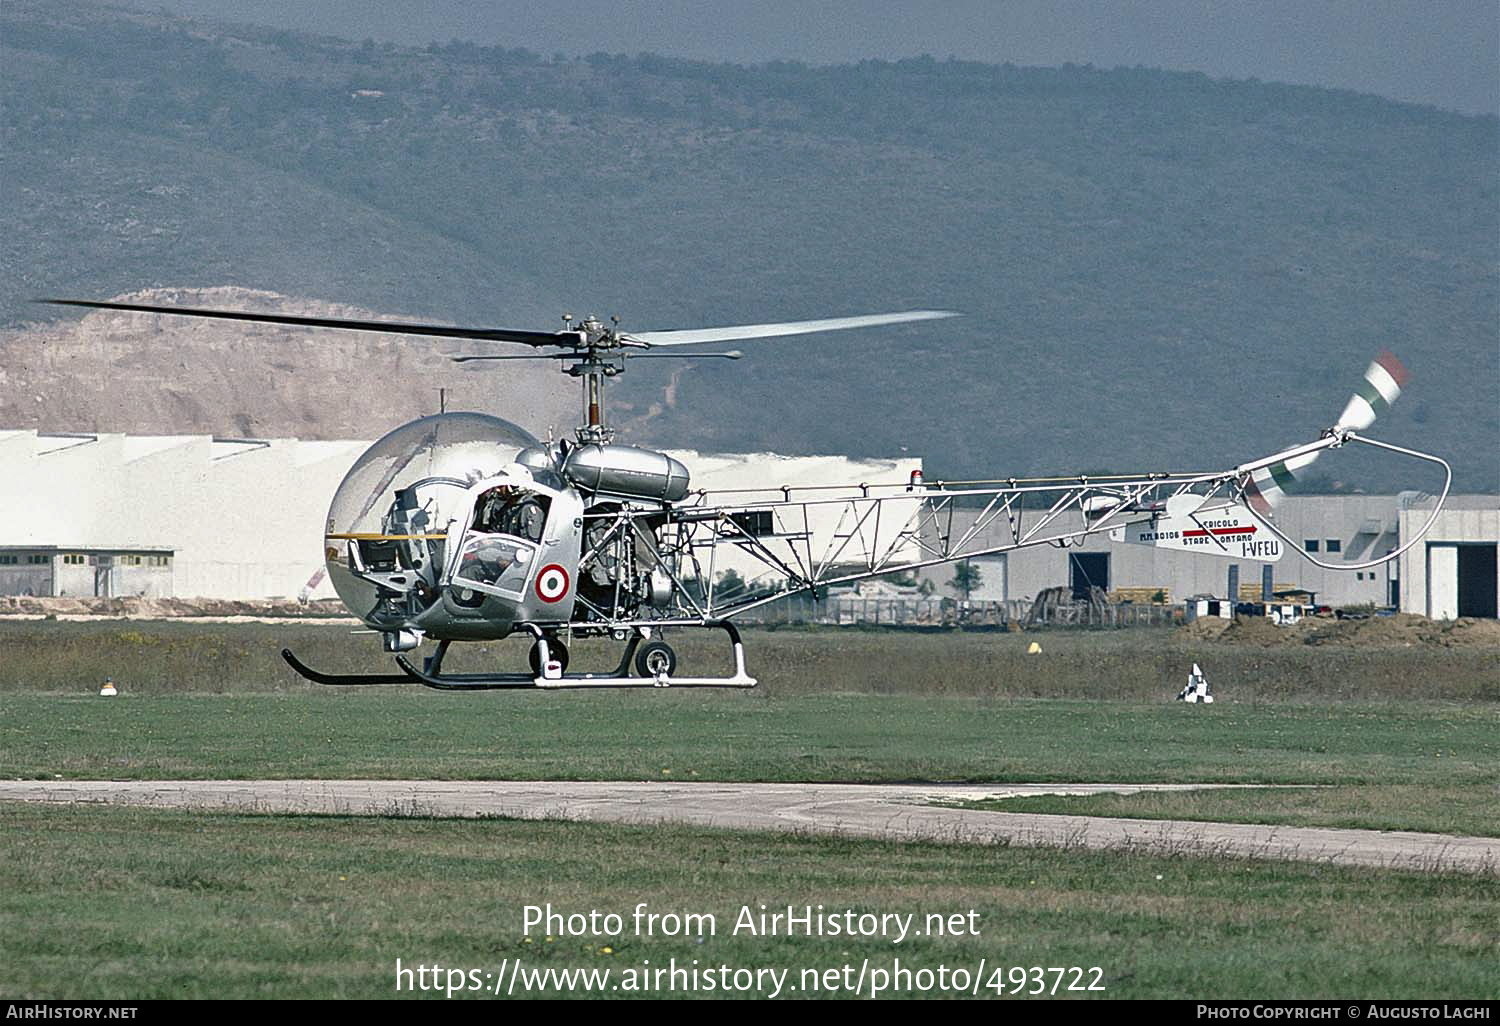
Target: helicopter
463,527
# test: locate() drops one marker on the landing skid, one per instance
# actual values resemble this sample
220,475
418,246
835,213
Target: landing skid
431,675
342,679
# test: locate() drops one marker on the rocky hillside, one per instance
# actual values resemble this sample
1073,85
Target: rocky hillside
1157,269
147,374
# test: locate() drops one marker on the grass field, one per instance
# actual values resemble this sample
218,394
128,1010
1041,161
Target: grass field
98,902
113,901
1427,766
214,701
1461,806
163,657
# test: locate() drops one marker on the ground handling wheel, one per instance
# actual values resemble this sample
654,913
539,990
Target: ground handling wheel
555,649
655,659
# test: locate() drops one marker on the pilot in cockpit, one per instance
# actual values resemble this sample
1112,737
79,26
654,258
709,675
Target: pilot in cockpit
507,509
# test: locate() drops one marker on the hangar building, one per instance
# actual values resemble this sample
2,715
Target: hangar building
194,516
201,517
1452,572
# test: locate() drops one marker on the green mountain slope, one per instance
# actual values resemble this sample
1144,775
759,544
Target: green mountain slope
1156,269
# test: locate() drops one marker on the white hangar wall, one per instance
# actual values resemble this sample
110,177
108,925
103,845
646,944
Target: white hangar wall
240,519
243,519
822,487
1360,527
1454,570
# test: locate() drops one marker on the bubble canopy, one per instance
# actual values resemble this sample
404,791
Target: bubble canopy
440,455
412,483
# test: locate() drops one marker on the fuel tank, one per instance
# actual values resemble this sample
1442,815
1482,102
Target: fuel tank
627,471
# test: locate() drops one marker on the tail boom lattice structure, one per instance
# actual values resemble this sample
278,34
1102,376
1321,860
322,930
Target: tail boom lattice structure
806,539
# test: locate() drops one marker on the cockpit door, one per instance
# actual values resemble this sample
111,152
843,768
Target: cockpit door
487,557
496,564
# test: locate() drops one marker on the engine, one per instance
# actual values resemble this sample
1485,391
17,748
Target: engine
626,569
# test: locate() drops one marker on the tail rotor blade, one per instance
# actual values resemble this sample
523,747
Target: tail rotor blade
1268,485
1382,385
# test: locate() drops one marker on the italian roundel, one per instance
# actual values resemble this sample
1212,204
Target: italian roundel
551,583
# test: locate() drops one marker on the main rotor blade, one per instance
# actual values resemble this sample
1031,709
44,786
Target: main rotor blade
693,336
515,356
530,338
733,354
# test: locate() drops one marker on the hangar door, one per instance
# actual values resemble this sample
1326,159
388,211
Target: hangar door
1088,570
1461,581
1476,580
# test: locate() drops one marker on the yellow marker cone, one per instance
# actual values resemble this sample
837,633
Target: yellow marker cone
1034,648
109,687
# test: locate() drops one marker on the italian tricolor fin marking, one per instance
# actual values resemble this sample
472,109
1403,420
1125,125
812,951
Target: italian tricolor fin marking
1382,385
1268,485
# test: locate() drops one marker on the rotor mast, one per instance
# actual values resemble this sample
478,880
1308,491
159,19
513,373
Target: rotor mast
594,365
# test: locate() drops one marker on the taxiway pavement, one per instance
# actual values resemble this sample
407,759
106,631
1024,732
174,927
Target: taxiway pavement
885,811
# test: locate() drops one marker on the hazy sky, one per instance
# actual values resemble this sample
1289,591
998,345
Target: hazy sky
1442,52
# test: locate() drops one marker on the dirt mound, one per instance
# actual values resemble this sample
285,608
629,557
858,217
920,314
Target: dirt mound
1403,629
1469,631
1256,630
1400,630
1205,628
136,608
